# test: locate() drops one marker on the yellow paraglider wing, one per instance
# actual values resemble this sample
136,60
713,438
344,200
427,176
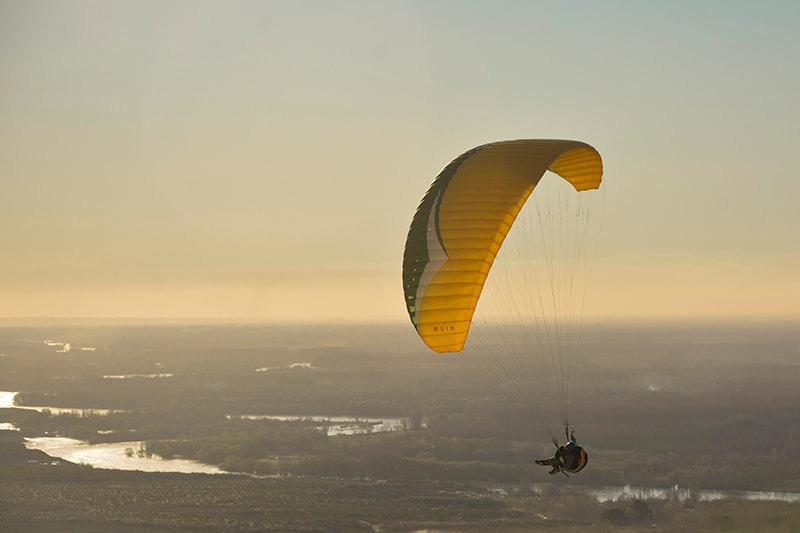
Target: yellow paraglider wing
462,221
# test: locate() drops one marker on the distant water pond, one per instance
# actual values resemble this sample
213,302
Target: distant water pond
139,376
66,347
340,425
292,366
606,494
116,456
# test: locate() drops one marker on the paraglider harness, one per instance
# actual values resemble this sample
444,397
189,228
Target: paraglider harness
568,458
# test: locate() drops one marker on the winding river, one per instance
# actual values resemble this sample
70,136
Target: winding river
129,455
116,456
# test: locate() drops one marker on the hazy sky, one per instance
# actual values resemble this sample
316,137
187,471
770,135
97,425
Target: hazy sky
262,160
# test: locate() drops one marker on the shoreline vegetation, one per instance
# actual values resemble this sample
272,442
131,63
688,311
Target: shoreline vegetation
477,447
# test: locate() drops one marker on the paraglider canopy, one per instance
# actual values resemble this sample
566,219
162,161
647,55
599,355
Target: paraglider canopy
462,221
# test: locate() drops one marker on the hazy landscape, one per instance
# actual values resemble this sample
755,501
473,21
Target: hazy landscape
358,265
703,412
